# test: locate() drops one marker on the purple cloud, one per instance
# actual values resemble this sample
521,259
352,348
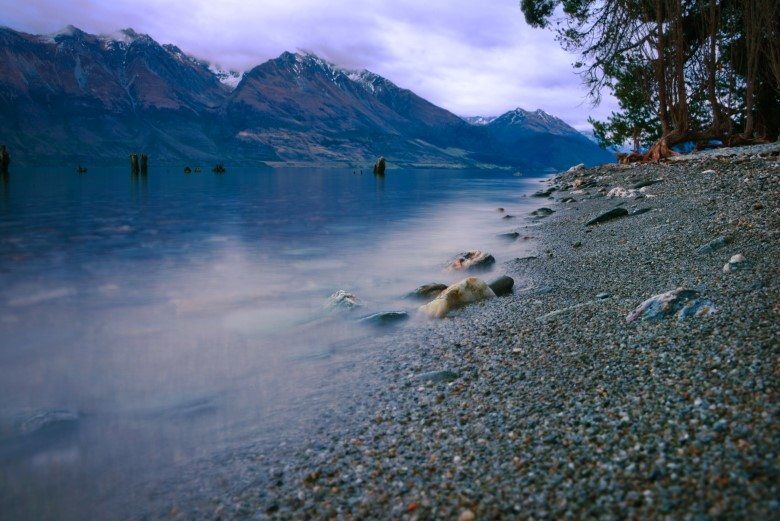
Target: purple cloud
469,57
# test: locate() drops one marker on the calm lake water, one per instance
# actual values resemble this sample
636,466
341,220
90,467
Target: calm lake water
149,322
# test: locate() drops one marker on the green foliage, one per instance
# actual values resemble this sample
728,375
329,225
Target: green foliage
637,122
538,12
689,64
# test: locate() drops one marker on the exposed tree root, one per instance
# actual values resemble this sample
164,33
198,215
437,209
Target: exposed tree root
660,150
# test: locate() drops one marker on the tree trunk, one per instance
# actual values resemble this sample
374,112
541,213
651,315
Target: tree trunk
712,21
660,70
681,109
752,14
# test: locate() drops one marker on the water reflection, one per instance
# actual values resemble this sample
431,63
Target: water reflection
152,321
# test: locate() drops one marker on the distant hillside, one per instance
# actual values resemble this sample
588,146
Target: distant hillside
543,141
78,97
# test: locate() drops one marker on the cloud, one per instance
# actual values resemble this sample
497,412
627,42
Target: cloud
469,57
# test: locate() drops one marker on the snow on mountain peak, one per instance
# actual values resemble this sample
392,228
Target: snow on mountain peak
479,120
230,78
363,78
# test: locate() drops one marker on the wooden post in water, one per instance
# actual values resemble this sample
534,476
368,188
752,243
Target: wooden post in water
144,164
5,160
134,164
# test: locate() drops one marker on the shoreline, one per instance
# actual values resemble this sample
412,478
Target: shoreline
547,403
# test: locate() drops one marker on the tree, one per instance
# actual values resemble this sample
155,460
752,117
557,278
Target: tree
637,120
680,69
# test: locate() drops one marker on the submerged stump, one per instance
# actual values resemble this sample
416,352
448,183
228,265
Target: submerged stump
379,166
144,163
5,159
134,167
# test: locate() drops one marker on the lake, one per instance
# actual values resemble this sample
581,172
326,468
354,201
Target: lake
149,322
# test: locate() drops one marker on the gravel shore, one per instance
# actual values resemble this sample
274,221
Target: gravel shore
547,403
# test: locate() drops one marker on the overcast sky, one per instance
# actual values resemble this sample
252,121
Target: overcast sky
472,57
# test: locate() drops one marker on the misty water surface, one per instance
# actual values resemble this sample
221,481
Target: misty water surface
149,322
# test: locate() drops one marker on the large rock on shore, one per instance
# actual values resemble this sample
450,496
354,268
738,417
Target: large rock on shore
542,212
680,302
458,295
612,214
736,262
502,285
473,260
715,244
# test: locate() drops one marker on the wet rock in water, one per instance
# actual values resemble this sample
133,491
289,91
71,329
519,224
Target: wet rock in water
715,244
502,285
43,420
458,295
542,212
682,303
427,291
614,213
474,260
343,300
379,166
507,216
649,182
736,262
437,376
500,210
544,193
510,236
385,318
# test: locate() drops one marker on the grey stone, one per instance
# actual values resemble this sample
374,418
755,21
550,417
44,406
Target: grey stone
437,376
427,291
614,213
542,212
502,285
682,302
715,244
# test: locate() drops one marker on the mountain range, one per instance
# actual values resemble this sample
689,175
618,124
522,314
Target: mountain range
78,97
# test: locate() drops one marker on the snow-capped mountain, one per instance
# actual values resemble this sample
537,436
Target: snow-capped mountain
543,140
479,120
538,121
73,96
229,78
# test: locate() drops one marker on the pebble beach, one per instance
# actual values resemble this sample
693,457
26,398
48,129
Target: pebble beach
549,403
